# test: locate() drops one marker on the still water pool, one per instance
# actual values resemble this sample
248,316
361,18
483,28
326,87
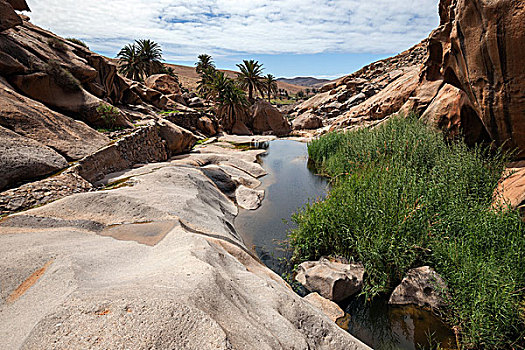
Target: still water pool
289,185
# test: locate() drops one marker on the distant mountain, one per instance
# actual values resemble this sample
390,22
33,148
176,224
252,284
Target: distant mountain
305,81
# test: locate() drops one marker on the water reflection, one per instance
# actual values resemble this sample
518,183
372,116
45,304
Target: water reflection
382,326
289,185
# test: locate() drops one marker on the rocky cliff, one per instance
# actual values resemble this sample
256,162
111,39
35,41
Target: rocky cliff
466,78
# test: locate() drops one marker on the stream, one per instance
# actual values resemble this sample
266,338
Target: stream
289,185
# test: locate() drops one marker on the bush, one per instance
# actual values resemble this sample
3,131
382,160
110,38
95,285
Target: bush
108,114
78,42
57,44
62,76
403,197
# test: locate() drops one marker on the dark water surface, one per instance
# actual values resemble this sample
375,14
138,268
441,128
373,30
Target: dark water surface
289,185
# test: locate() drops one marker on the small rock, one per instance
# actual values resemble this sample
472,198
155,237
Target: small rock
329,308
421,286
248,198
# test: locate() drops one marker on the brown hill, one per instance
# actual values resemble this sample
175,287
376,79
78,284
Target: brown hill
188,77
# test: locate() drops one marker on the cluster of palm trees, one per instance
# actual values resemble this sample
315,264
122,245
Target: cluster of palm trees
229,94
249,77
141,59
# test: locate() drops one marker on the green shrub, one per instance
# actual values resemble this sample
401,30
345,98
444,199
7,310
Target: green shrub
108,114
62,76
403,197
78,42
57,44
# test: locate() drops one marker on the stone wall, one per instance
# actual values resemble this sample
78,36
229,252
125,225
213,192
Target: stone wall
142,146
41,192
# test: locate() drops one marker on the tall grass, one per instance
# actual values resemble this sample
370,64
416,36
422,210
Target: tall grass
403,197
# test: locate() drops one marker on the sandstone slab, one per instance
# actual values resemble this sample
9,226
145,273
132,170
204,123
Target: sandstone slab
198,287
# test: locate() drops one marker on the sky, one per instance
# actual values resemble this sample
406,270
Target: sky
322,38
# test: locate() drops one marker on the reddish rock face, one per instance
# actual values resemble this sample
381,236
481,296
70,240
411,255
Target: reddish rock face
267,118
31,119
19,5
480,49
8,18
450,110
164,83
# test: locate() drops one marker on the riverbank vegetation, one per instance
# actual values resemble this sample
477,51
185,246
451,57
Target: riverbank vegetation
403,197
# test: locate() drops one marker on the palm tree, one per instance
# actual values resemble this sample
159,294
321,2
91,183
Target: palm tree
204,86
250,77
140,59
270,84
130,62
231,103
230,100
151,54
205,64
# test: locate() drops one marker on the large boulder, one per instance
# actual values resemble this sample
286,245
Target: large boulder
151,96
449,111
307,120
239,128
421,286
164,83
479,48
23,159
59,89
197,122
8,17
178,140
72,139
267,118
332,280
206,126
511,188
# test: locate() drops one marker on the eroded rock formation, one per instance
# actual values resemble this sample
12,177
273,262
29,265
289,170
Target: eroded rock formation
479,48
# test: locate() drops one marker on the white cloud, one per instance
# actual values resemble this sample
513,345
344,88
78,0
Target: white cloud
222,27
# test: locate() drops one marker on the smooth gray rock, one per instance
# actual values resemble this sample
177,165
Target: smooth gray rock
23,159
248,198
329,308
153,264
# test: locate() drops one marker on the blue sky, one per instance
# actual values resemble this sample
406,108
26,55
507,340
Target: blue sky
323,38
